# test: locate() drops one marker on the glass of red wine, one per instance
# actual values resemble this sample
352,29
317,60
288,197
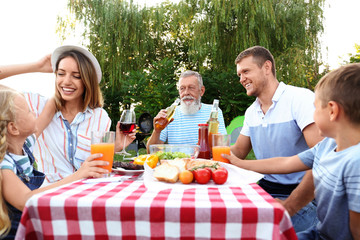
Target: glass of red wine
127,125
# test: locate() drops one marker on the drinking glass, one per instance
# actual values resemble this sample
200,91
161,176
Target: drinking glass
220,144
104,142
127,125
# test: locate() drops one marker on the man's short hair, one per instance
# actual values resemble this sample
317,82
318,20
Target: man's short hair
342,86
190,73
260,56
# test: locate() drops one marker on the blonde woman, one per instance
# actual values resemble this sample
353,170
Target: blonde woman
19,130
65,143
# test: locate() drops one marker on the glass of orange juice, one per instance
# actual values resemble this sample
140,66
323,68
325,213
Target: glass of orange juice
220,144
104,142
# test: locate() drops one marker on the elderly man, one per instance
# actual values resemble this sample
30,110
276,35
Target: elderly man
184,128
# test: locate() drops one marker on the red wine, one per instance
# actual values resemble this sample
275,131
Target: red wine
127,128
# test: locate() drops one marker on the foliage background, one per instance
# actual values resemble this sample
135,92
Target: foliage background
142,50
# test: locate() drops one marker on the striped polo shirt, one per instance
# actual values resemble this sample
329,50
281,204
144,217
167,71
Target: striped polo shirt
278,133
184,128
63,146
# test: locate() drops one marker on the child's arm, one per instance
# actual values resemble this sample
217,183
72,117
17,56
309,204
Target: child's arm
45,117
301,196
17,193
43,65
354,224
276,165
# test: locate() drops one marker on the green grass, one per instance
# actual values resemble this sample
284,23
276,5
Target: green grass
118,157
251,155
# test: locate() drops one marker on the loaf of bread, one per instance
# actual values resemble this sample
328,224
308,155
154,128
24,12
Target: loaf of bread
180,163
167,173
194,163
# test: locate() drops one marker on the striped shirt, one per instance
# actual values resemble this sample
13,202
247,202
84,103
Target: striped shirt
337,181
184,128
22,160
63,146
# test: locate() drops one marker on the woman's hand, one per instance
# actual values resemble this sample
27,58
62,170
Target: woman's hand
90,167
44,64
119,138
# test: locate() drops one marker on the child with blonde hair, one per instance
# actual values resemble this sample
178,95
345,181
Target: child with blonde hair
335,161
19,129
5,223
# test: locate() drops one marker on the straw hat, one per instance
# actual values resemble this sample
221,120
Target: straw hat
60,50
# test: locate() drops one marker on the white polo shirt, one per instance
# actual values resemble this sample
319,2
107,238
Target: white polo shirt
63,146
278,133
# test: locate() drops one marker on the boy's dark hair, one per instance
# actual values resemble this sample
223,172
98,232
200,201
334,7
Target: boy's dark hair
342,86
260,56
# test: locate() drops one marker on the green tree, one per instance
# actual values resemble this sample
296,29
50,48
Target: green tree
354,57
142,50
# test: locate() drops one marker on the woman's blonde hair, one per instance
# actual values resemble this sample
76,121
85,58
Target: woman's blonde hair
7,115
92,94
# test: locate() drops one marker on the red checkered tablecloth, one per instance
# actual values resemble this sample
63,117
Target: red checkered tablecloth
128,210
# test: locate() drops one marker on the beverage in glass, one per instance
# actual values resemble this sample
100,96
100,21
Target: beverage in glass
127,128
127,125
220,145
104,143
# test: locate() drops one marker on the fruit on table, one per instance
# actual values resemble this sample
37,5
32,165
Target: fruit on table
150,159
220,175
202,175
186,177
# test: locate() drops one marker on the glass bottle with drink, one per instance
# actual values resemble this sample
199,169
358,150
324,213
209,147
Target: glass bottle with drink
203,142
213,122
161,123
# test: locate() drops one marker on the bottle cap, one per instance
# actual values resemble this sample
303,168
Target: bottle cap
203,124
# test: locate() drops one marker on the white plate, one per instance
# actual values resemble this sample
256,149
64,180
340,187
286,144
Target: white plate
123,171
237,177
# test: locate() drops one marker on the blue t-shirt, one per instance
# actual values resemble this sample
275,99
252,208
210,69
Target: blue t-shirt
185,130
278,133
337,186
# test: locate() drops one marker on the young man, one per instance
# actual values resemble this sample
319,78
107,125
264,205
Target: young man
335,161
279,123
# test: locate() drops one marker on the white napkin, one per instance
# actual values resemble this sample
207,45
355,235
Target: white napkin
237,177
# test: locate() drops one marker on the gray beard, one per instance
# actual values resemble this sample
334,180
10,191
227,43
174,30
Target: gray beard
193,108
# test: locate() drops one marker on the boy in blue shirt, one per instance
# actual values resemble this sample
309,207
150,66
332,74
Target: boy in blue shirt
335,161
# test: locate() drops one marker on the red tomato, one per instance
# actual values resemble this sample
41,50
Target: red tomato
223,169
220,175
202,175
210,171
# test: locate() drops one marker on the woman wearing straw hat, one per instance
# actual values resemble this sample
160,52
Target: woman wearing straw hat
65,143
